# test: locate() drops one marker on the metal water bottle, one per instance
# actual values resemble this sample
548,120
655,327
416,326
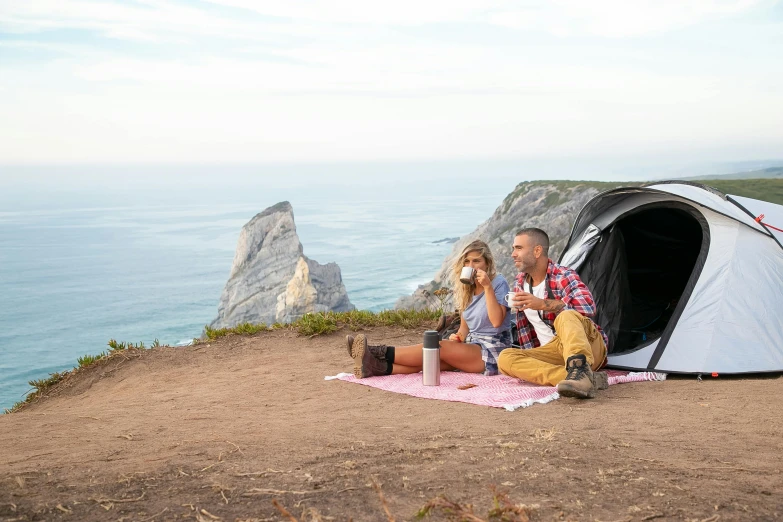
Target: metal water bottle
430,359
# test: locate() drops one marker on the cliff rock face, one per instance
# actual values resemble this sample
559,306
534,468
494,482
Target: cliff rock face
551,206
271,279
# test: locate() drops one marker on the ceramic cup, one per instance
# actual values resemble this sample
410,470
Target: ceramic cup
467,275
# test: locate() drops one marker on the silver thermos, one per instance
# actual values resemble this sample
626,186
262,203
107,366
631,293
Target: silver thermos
430,359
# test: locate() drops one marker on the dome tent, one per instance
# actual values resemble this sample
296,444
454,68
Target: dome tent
685,278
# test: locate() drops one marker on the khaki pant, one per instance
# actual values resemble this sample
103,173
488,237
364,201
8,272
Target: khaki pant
576,334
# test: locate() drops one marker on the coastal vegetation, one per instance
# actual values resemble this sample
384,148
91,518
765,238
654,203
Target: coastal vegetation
41,386
763,189
309,325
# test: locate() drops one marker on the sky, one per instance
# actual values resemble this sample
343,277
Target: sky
241,81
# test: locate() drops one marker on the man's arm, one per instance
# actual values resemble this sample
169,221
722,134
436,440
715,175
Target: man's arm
553,305
576,297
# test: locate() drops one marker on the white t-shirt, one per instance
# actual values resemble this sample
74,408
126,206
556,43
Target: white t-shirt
543,331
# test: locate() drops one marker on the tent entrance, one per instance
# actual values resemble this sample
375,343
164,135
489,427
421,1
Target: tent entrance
640,272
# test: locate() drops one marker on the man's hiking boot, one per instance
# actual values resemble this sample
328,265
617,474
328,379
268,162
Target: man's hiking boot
378,351
580,381
365,363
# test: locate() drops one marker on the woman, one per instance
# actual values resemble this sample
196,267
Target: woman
483,333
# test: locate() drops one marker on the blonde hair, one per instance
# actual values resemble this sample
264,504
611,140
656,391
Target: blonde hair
463,293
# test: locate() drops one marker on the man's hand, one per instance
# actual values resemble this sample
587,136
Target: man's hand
483,279
525,301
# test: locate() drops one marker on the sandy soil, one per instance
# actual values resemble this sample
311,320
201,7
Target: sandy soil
218,431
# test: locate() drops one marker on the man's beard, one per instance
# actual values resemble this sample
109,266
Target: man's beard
526,264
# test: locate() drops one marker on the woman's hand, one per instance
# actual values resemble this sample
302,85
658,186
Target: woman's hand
456,338
483,279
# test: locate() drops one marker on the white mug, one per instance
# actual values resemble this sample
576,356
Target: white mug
509,297
467,275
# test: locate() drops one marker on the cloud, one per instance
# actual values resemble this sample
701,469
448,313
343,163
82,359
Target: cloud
618,18
154,19
260,81
606,18
148,21
401,12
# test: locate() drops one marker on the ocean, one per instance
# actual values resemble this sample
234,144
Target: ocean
85,259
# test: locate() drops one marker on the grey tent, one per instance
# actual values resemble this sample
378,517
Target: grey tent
686,279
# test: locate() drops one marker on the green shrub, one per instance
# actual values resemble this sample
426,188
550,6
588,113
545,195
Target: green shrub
115,346
87,360
316,324
240,329
42,385
309,325
320,323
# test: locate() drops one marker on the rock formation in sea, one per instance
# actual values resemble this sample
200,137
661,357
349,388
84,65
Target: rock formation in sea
271,279
549,205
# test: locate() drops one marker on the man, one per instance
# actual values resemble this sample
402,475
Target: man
562,346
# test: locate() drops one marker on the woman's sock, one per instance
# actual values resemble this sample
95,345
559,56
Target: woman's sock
389,359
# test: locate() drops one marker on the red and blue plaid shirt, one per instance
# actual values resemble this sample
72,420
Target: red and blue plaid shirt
566,286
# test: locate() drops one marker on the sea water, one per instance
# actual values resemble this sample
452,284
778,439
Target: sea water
78,268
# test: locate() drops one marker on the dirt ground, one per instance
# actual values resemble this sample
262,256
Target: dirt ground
218,431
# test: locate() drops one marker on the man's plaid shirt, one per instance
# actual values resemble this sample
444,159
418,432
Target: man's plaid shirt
566,286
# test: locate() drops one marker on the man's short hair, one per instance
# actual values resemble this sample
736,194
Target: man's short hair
538,236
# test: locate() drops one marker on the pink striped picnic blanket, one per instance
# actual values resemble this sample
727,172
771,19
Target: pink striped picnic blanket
498,391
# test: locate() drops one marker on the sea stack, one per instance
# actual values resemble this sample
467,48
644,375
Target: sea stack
271,279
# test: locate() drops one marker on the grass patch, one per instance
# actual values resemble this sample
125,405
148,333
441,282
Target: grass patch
406,318
87,360
241,329
321,323
328,322
316,324
115,346
41,386
309,325
762,189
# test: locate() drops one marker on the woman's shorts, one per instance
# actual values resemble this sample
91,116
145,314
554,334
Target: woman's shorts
491,346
